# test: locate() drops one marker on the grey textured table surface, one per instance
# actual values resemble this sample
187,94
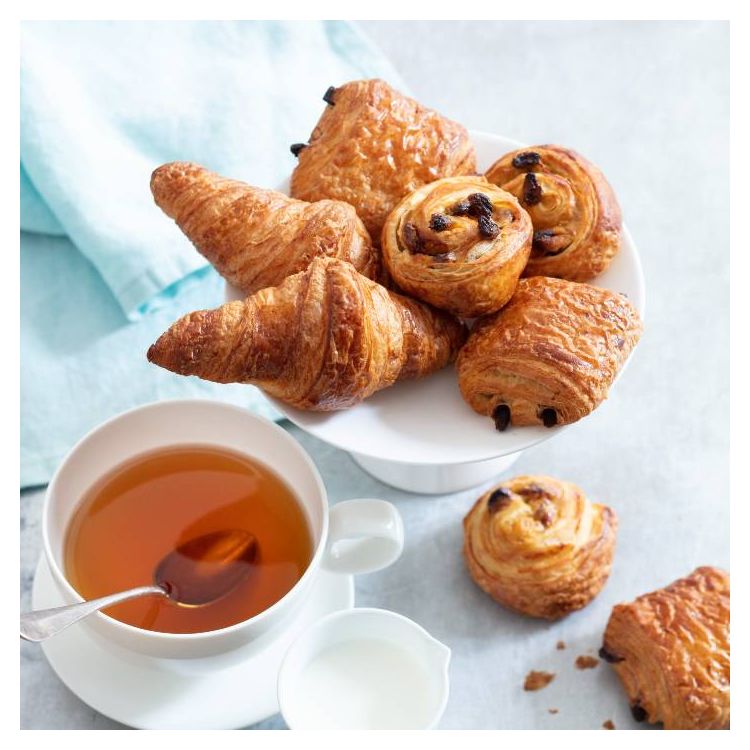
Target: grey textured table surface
649,103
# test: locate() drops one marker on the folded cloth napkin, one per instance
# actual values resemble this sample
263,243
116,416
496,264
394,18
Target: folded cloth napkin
103,271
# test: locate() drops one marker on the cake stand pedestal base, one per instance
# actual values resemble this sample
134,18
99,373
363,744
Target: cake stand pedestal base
435,479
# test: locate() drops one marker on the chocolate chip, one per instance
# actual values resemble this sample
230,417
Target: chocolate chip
412,240
549,417
479,205
546,242
328,96
526,159
498,500
639,713
295,148
487,227
439,222
609,657
501,415
461,208
532,190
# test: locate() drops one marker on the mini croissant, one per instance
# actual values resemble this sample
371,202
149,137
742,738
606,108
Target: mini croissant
255,238
325,339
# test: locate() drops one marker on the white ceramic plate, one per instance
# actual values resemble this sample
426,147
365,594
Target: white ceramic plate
426,421
136,691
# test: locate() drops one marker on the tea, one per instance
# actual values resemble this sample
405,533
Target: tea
144,509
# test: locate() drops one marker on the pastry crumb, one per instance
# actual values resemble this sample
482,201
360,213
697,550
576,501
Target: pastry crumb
587,662
560,645
553,710
538,680
609,724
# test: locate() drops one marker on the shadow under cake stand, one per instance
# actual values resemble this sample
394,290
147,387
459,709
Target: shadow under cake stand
421,436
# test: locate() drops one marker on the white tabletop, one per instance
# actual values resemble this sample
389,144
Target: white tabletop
648,102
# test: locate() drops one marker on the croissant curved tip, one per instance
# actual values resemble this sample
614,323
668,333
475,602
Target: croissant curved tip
169,180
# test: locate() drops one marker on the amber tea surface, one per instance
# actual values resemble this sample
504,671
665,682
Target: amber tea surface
144,509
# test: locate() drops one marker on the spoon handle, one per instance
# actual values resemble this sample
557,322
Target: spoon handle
44,623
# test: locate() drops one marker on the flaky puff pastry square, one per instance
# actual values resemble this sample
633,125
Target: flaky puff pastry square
670,649
372,146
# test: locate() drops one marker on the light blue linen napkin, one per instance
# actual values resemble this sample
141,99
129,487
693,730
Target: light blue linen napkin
103,271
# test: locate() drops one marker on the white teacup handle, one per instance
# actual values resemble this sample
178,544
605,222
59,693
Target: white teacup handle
363,536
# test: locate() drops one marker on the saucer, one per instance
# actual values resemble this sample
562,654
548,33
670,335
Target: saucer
137,691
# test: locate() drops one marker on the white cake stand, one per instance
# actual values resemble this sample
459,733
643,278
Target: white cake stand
421,436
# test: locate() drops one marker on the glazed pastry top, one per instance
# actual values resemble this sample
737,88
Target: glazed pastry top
576,216
372,146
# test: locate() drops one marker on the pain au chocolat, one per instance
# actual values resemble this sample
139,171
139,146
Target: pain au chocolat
670,649
550,355
372,146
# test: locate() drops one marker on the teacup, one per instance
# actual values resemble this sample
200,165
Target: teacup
355,536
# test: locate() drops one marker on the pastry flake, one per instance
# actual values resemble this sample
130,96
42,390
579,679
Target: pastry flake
670,649
458,243
254,237
550,355
325,339
576,216
537,545
373,145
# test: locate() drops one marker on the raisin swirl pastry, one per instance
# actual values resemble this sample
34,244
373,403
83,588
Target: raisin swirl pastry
325,339
458,243
576,217
539,546
254,237
550,355
372,146
670,649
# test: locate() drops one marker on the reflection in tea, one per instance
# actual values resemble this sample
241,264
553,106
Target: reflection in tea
144,509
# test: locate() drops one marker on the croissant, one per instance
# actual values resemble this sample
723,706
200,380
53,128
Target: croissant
550,355
255,238
372,146
458,243
325,339
539,546
576,217
670,649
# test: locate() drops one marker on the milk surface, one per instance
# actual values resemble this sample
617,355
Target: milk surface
364,684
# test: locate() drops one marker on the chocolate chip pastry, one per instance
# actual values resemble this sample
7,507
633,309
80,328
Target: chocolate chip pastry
539,546
550,355
576,217
670,649
458,243
372,146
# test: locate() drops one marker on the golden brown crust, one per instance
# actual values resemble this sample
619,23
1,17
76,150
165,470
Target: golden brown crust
550,355
458,243
325,339
576,216
670,649
372,146
255,238
539,546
